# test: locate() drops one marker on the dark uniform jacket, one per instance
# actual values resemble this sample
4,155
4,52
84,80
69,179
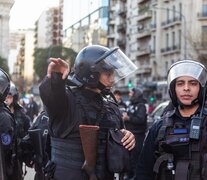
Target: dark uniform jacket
7,125
150,149
22,121
67,109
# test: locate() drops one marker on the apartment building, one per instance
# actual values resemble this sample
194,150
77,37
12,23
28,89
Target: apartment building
48,31
5,7
90,28
158,33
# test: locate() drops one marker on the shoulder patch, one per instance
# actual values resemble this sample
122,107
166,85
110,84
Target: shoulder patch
5,139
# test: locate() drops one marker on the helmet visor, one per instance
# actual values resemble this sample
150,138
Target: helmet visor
188,68
119,63
4,81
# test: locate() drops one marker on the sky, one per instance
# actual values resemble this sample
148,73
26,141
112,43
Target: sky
24,13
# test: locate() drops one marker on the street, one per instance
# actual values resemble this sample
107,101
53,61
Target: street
30,174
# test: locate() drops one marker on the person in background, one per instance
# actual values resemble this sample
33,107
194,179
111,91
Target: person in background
120,102
22,121
87,103
36,146
135,120
175,147
32,107
8,153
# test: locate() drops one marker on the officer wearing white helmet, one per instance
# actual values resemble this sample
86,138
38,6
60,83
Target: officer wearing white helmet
175,147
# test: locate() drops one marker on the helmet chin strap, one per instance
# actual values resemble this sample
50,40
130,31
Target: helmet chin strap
195,101
101,86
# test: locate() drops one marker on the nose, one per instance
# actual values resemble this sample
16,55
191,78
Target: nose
112,79
186,87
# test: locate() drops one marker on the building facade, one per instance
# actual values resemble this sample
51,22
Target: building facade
5,7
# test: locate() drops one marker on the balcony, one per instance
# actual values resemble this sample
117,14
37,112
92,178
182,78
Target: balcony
143,51
145,32
122,11
145,15
111,21
146,69
121,42
202,16
171,50
121,28
171,22
142,1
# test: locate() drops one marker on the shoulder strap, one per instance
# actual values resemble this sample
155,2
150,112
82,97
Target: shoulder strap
167,122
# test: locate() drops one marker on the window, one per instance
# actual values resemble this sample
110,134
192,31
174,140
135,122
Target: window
204,10
179,38
167,40
180,8
168,15
174,13
204,35
173,39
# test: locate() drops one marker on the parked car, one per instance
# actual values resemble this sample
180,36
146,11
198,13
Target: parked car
155,115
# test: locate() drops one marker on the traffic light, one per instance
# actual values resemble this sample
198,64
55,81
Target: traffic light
130,85
152,99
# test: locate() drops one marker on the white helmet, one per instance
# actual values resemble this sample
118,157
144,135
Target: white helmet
190,68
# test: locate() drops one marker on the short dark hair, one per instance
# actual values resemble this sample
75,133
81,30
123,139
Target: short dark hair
117,92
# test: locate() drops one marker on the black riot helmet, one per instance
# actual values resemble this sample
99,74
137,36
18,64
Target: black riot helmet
94,59
13,92
190,68
4,85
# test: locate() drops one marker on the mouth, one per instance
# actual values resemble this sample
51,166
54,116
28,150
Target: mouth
186,97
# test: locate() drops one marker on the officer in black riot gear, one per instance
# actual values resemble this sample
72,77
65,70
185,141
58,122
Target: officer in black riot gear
135,120
22,123
86,103
7,138
22,120
175,147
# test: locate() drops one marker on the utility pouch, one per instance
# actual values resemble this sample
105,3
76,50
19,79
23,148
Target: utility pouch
118,158
49,169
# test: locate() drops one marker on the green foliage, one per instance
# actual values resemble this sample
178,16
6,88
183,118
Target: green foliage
4,65
42,56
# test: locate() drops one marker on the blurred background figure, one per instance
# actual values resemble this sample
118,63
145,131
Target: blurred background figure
22,121
32,108
120,102
135,120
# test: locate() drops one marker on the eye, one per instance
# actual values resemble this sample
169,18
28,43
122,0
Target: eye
194,83
179,83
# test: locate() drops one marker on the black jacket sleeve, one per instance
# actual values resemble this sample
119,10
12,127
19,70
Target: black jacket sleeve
147,157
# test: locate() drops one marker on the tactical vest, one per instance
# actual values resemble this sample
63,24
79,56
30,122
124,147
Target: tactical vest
180,157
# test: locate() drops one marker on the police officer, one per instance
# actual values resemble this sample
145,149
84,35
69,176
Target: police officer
22,120
22,123
36,145
42,155
7,126
135,120
87,103
120,102
175,147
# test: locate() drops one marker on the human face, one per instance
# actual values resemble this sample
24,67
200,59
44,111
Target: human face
187,89
107,79
9,100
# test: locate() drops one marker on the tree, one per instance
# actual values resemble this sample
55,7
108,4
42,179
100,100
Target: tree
198,44
41,57
4,65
